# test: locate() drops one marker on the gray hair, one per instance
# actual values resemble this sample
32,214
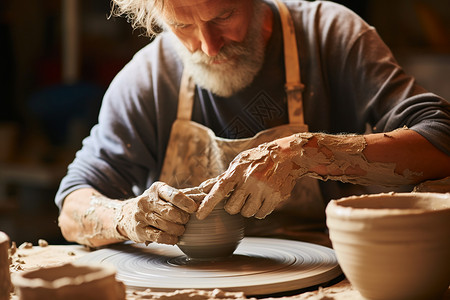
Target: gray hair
140,14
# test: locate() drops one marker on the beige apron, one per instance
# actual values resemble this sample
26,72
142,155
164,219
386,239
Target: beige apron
194,154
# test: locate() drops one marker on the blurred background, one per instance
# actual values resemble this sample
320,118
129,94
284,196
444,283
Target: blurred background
59,56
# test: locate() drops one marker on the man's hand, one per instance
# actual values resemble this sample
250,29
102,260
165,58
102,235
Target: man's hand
260,178
158,215
255,182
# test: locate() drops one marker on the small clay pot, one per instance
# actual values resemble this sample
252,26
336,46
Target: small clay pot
393,246
5,281
69,281
215,237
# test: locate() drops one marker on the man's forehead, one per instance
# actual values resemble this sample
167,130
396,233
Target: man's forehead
177,10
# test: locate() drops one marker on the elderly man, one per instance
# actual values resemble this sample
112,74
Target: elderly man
272,108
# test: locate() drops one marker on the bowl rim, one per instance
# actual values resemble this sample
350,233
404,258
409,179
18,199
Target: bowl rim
335,209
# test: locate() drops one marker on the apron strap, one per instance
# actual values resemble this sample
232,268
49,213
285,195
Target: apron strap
294,88
186,97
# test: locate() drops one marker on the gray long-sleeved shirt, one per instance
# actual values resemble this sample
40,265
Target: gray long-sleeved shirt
352,83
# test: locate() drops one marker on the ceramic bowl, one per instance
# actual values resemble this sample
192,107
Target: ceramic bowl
215,237
393,246
69,281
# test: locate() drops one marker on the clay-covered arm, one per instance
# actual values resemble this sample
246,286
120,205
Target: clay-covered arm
158,215
92,227
259,178
412,156
389,159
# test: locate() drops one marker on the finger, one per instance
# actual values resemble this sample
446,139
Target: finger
176,197
197,197
168,211
203,188
166,226
267,207
218,192
191,191
236,201
207,185
158,236
252,203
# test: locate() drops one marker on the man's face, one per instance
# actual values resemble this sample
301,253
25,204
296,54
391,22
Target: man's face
208,25
220,41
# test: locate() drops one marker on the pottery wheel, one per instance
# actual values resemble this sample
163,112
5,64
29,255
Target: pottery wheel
258,266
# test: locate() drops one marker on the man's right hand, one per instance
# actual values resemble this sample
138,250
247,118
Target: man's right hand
158,215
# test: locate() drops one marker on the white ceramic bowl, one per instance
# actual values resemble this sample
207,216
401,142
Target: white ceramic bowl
215,237
393,246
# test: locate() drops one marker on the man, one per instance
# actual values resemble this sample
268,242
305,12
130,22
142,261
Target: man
210,90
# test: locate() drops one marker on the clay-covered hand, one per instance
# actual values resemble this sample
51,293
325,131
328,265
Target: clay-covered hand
259,178
256,181
158,215
199,193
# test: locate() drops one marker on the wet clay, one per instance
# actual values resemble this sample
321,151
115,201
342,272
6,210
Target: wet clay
215,237
93,225
343,159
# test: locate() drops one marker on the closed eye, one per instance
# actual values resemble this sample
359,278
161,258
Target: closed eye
226,16
181,26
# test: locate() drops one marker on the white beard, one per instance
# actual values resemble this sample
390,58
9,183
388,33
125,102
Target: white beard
245,60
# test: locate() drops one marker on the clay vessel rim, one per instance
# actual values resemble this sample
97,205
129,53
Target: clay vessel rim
336,208
99,272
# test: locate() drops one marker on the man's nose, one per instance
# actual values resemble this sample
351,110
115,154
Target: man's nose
210,39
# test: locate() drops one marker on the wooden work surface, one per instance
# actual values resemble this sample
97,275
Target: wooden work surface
36,257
